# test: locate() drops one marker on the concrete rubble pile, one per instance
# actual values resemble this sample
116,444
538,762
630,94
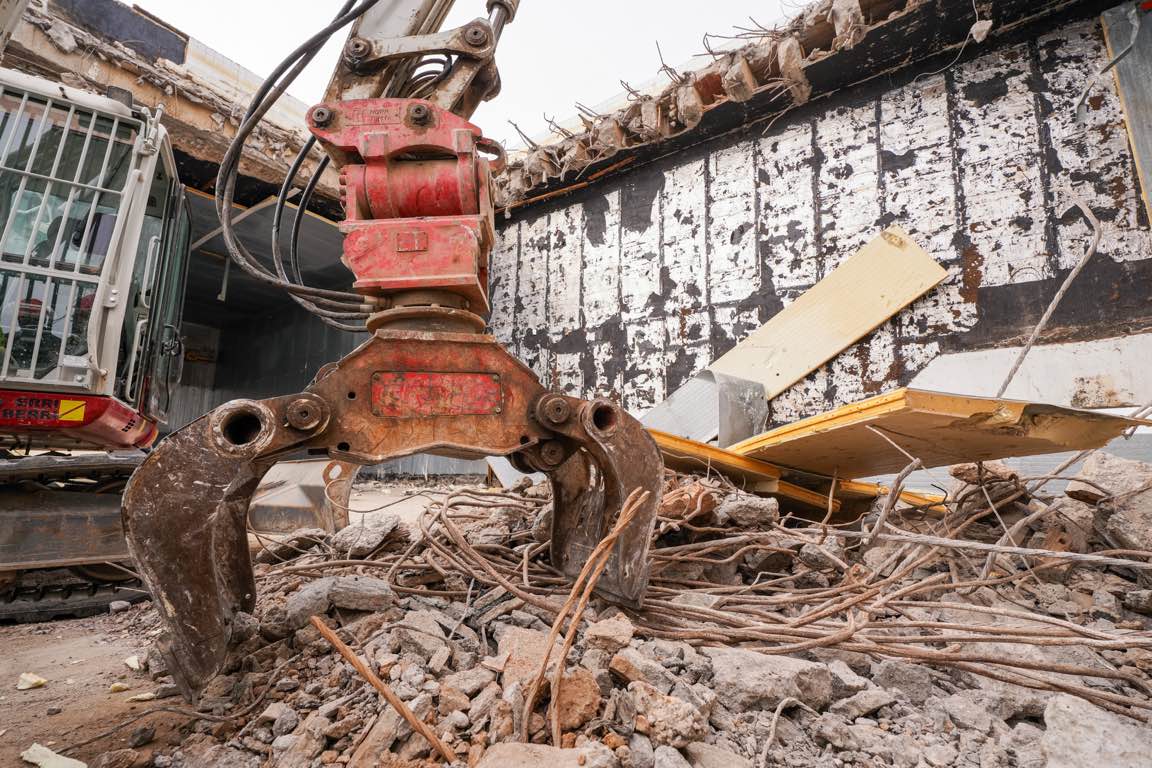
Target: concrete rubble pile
766,639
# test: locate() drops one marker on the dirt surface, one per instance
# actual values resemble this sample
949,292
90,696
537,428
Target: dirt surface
81,659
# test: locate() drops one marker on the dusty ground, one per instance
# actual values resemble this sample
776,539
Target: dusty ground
81,659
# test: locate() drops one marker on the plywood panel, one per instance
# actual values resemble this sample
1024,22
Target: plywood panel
935,427
874,284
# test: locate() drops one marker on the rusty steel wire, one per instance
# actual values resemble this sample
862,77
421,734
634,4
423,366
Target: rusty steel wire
910,605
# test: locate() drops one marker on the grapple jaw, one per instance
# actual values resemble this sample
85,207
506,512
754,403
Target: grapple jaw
402,392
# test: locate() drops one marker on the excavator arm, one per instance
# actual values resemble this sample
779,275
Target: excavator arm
415,177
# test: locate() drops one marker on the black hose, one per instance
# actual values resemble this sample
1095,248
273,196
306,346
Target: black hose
305,198
270,90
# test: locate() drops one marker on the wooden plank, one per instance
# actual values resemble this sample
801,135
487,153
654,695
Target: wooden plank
938,428
879,280
1133,76
685,455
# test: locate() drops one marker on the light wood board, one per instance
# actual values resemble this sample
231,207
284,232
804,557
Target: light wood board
875,283
686,455
935,427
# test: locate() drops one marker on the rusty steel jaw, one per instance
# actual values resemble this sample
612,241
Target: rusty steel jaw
401,392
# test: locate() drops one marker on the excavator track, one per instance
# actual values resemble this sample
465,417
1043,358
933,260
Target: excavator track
50,594
91,577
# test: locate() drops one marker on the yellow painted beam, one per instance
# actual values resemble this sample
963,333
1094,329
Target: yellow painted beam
686,455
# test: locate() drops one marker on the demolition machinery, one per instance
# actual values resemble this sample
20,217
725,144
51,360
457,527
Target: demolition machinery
415,184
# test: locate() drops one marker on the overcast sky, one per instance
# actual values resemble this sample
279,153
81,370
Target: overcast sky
556,53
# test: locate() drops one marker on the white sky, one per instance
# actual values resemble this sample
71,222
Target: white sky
556,53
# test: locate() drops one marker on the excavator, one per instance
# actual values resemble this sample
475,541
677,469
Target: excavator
416,187
93,255
94,249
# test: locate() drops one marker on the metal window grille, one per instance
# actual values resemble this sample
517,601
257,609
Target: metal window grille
63,170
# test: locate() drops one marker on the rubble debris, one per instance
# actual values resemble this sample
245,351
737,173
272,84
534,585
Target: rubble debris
745,679
40,755
362,539
276,549
610,634
117,758
1078,734
1119,493
828,647
747,510
666,720
29,680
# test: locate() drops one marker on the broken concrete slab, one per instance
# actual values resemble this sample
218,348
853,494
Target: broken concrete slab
631,664
863,703
669,757
363,538
912,681
1078,734
316,598
609,634
42,756
580,699
1123,513
517,755
702,755
746,679
526,649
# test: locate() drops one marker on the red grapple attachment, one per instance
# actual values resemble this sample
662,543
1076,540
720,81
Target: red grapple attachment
418,233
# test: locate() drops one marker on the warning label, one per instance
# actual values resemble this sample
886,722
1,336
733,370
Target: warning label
71,410
37,409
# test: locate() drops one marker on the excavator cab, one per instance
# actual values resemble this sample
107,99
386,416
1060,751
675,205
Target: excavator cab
94,250
94,247
93,257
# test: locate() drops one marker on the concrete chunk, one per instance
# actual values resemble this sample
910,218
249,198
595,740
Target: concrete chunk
746,679
701,755
667,720
1080,735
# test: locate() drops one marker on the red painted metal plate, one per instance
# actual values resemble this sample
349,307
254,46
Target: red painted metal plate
419,394
99,422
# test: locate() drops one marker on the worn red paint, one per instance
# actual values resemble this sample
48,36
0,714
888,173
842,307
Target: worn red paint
418,394
418,210
102,422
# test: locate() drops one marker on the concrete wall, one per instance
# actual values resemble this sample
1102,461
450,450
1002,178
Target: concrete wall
629,287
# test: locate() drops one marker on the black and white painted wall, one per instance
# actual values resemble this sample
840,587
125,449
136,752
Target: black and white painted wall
630,286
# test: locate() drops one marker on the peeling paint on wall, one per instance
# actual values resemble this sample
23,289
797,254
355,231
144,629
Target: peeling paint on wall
678,260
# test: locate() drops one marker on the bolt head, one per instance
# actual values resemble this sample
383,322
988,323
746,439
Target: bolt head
321,116
556,410
420,114
303,415
552,453
476,36
357,48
